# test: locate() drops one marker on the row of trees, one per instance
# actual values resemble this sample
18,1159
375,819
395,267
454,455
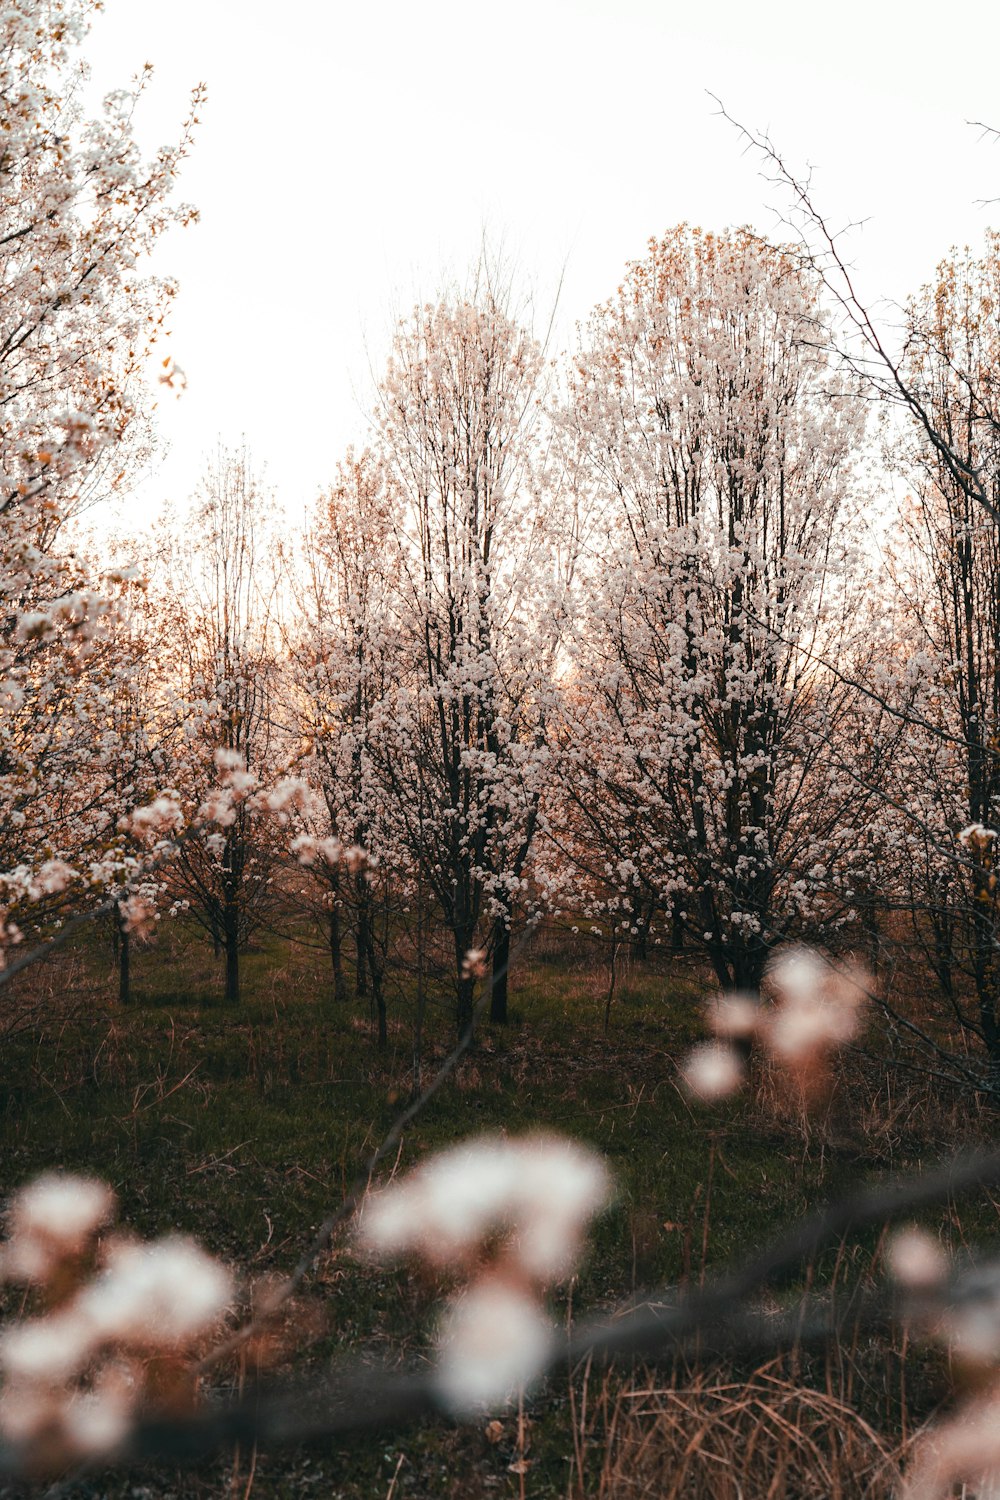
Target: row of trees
560,652
609,635
613,640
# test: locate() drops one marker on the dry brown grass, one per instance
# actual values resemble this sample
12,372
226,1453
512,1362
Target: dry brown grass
763,1438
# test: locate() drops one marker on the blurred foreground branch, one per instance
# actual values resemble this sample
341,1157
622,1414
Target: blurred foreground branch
719,1319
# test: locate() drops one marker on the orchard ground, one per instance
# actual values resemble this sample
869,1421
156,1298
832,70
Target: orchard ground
245,1126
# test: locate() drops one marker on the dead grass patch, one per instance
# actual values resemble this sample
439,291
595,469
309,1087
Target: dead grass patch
764,1438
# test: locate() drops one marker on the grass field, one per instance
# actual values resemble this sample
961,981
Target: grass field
244,1126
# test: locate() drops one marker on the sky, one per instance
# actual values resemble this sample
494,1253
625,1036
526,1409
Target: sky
354,157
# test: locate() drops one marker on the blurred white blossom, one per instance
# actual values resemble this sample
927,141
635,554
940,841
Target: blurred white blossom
540,1192
712,1071
916,1259
51,1219
494,1339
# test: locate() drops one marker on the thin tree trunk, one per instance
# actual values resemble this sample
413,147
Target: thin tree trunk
871,928
418,1025
231,937
499,975
465,987
378,999
612,978
362,941
124,963
335,933
464,1007
368,958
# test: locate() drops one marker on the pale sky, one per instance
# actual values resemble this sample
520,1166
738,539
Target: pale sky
352,156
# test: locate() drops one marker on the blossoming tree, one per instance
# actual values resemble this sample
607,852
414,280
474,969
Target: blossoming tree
717,444
948,585
462,737
79,209
218,689
341,647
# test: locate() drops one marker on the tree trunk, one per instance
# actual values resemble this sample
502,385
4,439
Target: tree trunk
124,963
418,1025
749,961
362,943
612,977
368,959
870,927
984,964
499,975
642,920
465,984
335,933
231,942
464,1007
378,999
943,929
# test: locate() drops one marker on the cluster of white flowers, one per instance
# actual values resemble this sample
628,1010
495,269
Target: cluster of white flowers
494,1340
288,794
814,1007
121,1321
522,1207
961,1312
916,1260
163,816
51,1221
26,884
237,784
474,964
965,1449
10,936
51,878
309,850
139,915
218,808
227,761
817,1007
712,1071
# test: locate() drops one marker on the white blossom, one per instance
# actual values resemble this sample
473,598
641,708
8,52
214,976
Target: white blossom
51,1219
494,1340
539,1192
916,1259
158,1295
712,1071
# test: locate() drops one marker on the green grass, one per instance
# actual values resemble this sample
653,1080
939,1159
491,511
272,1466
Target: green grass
244,1126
